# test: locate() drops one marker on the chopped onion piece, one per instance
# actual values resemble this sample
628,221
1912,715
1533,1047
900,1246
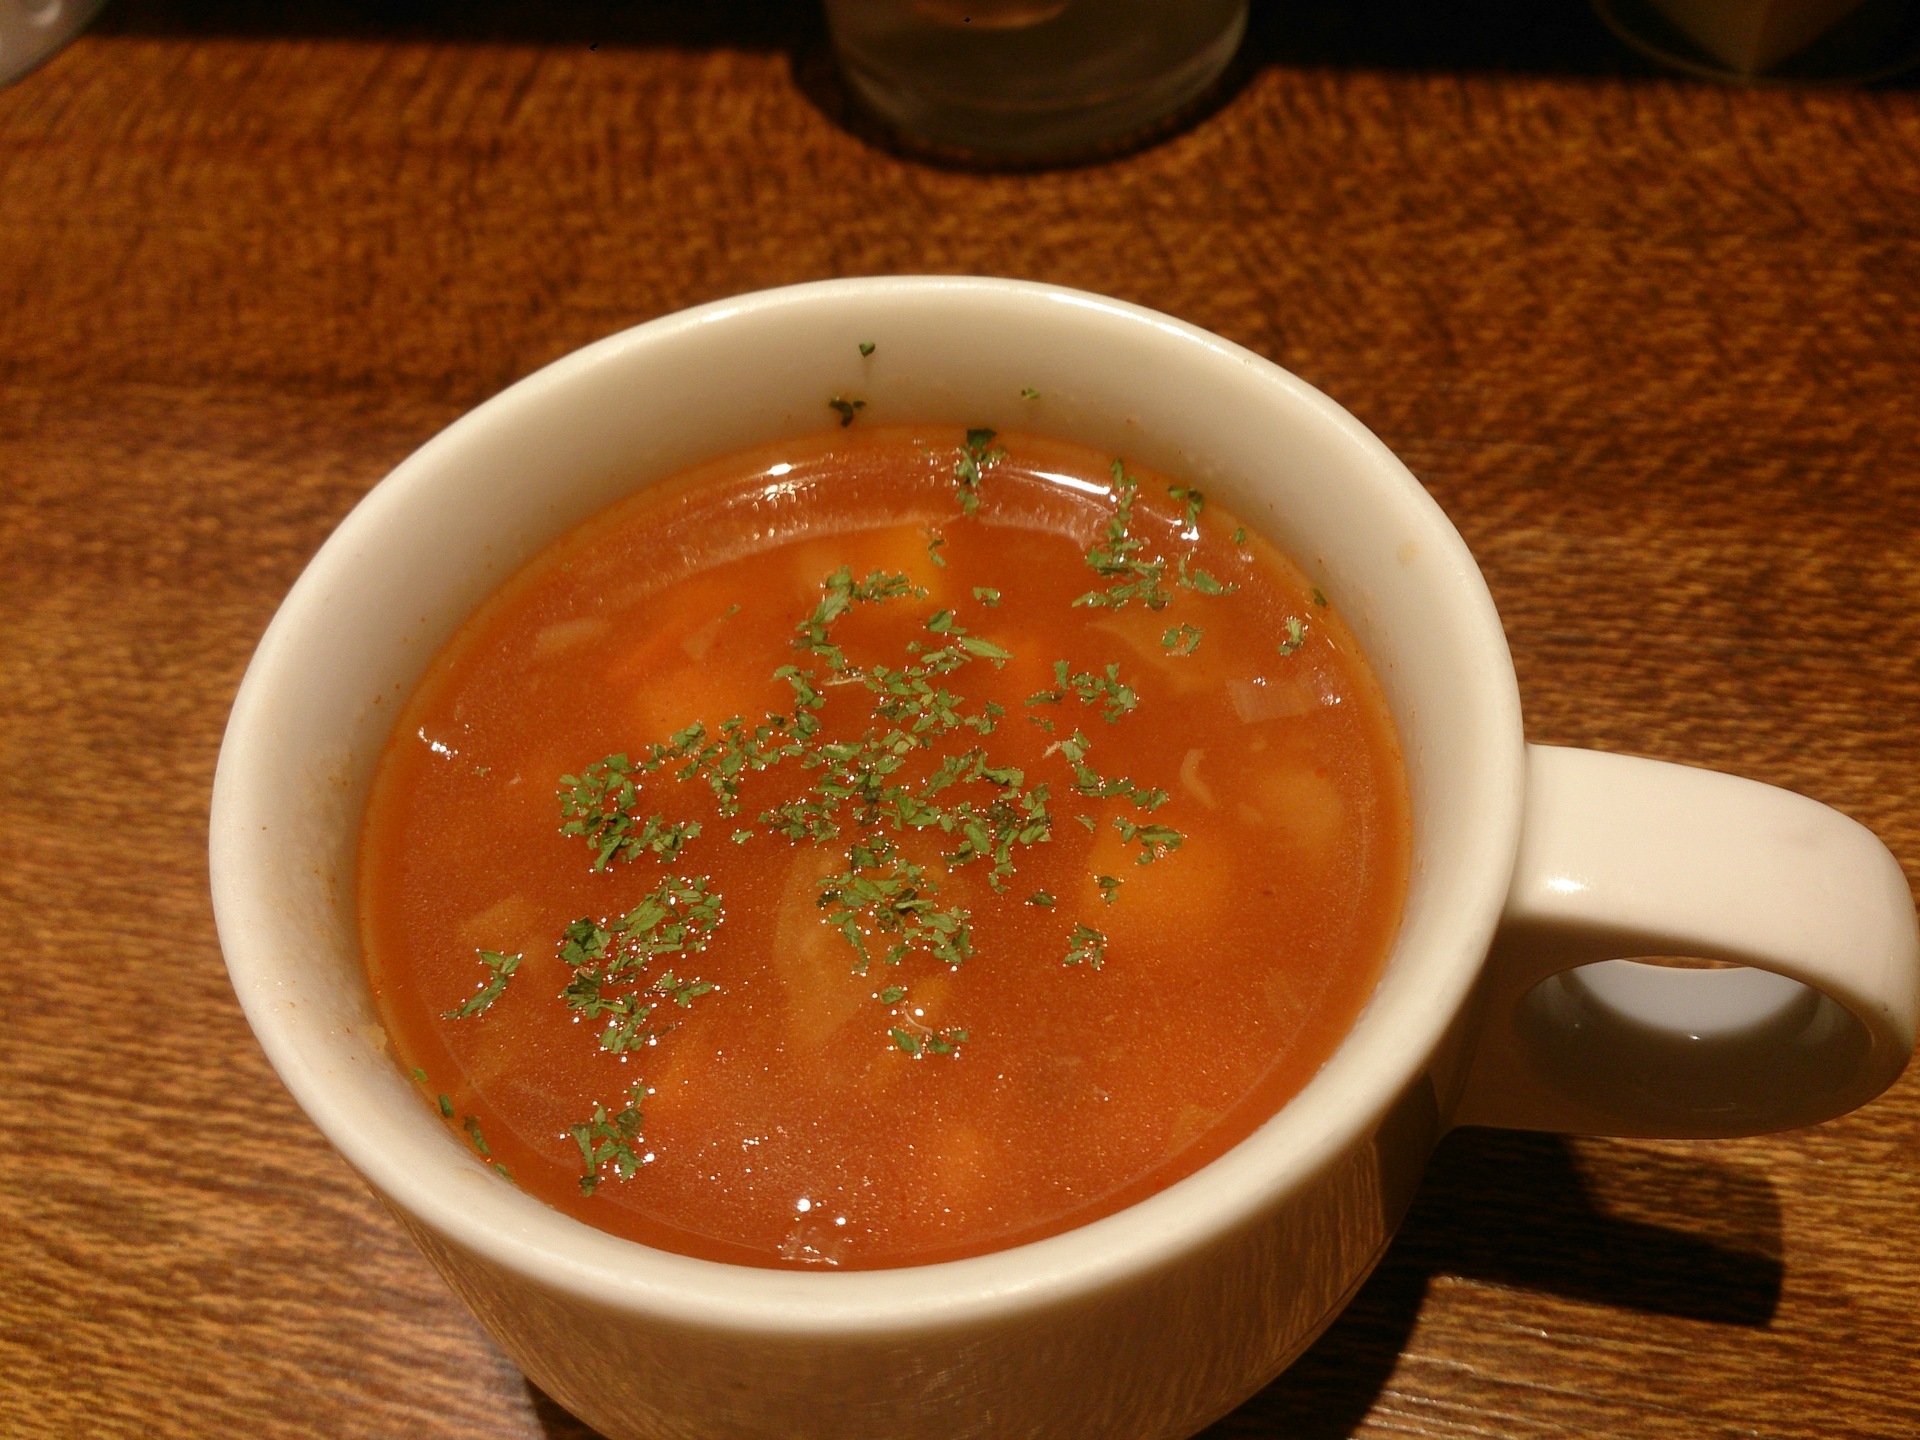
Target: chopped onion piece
1195,786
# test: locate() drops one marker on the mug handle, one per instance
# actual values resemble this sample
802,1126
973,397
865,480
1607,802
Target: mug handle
1811,1012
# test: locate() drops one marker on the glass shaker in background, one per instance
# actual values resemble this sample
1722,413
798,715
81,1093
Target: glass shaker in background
1031,80
1762,42
31,30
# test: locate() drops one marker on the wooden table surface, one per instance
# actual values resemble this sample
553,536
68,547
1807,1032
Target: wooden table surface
1651,343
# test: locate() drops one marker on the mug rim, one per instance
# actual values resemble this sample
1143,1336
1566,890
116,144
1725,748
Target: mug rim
1380,1056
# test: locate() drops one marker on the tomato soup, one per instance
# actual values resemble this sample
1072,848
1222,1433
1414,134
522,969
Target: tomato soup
882,848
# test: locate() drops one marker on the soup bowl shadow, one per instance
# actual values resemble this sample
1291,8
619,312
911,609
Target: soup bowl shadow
1544,1215
1525,1212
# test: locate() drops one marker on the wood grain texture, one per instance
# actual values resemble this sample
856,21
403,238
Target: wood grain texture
1652,345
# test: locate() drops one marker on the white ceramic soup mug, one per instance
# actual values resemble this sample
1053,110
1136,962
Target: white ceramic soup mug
1155,1320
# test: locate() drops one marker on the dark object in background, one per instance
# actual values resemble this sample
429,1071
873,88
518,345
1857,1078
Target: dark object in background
1780,42
1032,80
31,31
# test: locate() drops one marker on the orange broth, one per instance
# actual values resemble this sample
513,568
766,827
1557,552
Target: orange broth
777,1099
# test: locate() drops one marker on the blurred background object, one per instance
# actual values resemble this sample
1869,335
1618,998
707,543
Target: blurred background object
31,30
1783,41
1031,80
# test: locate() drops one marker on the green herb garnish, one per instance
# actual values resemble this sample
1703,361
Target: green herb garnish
866,348
599,804
924,1042
1116,556
1296,635
846,408
1182,639
501,968
609,1140
1199,580
976,456
885,894
1108,689
1087,945
1153,840
863,790
1090,782
609,961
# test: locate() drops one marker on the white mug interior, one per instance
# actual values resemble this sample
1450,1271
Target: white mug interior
452,522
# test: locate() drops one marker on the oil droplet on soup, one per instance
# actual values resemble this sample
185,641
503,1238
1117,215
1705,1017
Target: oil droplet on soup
882,848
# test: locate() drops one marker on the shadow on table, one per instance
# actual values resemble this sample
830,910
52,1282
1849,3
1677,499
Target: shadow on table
1512,1209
